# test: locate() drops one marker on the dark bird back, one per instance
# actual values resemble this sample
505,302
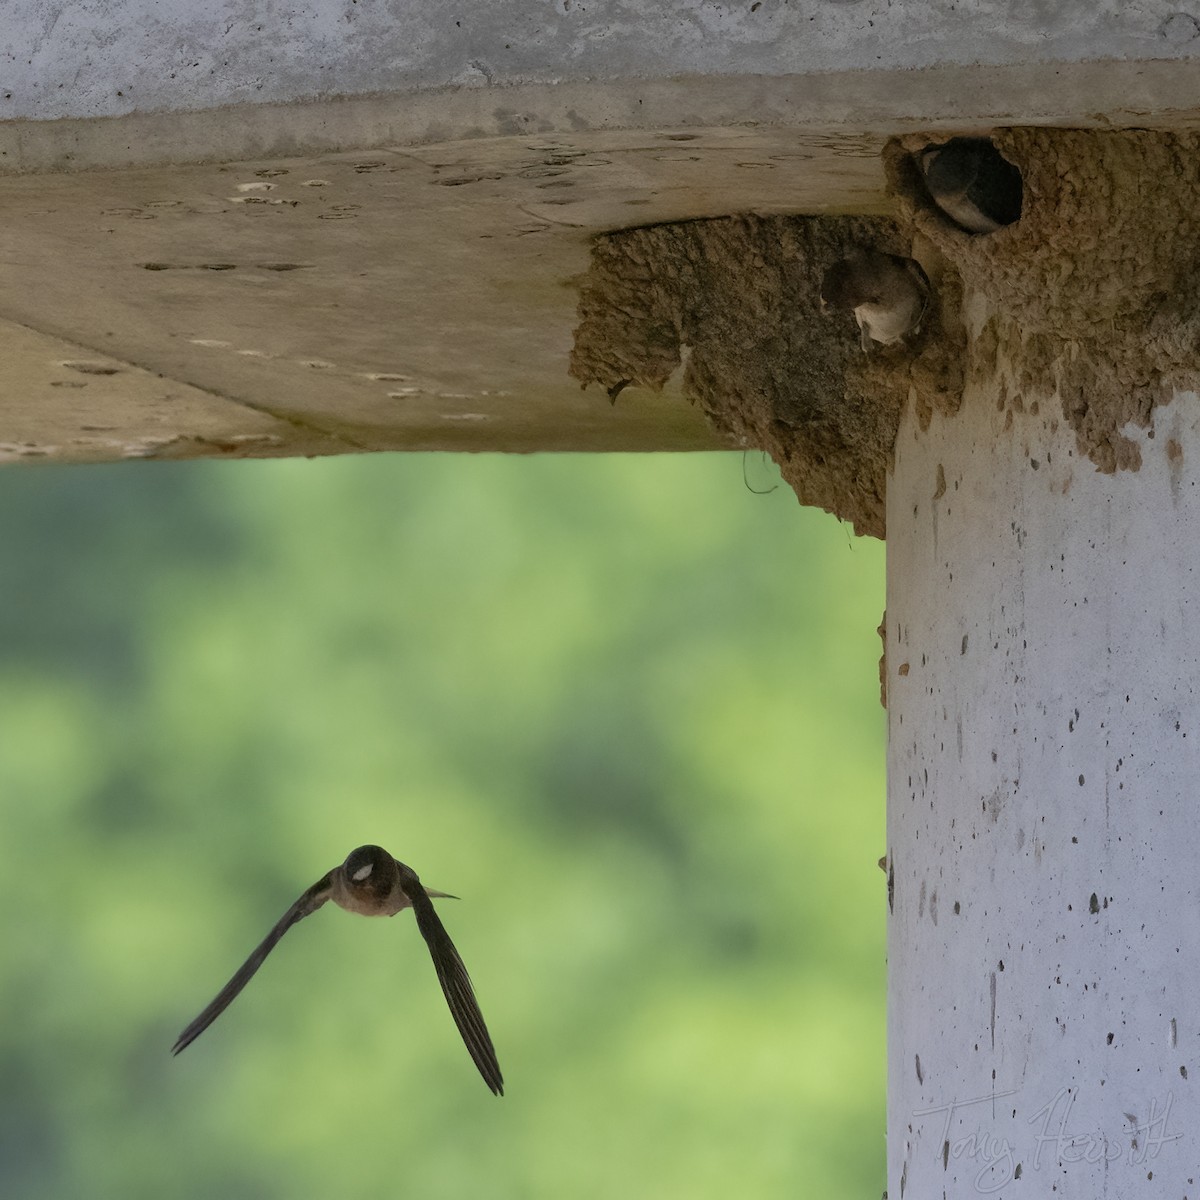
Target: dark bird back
973,184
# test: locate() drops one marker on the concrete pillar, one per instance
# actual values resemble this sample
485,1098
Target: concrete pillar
1044,762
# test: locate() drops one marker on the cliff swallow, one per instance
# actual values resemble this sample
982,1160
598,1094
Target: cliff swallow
973,184
373,883
887,294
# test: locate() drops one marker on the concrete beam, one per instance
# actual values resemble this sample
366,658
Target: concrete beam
118,57
364,227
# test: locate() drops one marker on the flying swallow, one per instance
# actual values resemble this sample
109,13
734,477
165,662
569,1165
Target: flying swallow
973,184
887,294
371,882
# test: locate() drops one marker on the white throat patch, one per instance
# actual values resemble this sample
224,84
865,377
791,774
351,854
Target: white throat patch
362,873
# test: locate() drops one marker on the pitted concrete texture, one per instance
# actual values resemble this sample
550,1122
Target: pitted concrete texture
50,384
111,57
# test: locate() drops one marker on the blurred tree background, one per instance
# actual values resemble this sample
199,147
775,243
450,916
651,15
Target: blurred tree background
622,706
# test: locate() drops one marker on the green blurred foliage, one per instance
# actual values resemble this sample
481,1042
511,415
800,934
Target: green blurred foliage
625,708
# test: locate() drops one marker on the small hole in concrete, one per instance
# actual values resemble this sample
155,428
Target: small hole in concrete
91,368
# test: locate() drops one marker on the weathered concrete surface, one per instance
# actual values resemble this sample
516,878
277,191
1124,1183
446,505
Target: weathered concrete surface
64,403
111,57
1043,753
415,298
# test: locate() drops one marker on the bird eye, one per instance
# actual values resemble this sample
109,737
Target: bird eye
362,873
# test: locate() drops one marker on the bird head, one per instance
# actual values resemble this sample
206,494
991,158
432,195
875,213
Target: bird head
370,868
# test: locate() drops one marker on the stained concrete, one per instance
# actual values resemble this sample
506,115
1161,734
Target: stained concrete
401,298
1043,952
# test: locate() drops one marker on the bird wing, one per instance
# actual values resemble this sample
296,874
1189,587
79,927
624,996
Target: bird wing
456,984
921,281
312,899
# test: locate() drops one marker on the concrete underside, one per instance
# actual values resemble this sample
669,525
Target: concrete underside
401,271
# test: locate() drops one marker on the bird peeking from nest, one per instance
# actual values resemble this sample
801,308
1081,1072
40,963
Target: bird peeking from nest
888,294
972,183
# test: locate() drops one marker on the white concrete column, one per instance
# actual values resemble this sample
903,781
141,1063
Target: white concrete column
1044,768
